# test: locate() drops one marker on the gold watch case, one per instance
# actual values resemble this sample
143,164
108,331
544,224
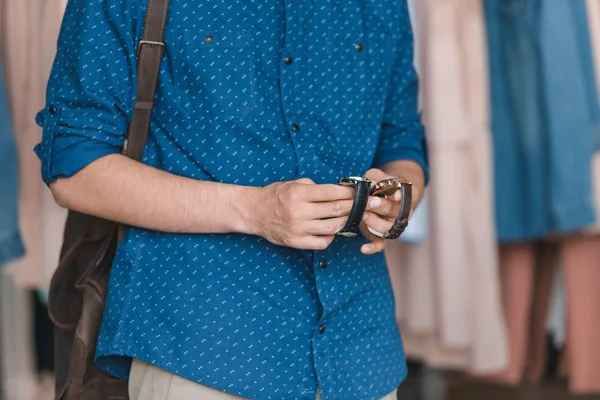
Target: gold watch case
387,187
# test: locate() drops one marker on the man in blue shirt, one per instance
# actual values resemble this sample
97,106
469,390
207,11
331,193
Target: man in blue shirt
231,282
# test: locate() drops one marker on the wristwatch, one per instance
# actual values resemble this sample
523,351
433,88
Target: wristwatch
361,197
386,188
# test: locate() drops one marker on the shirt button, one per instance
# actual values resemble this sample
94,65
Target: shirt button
295,127
323,264
322,329
209,38
52,110
359,47
289,60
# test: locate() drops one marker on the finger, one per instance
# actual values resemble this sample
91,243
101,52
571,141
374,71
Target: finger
330,192
377,244
375,175
377,223
329,209
326,226
367,233
384,207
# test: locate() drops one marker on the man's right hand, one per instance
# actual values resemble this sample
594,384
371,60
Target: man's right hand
299,214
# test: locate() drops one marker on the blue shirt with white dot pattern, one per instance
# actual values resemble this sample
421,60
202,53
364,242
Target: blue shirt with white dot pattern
250,92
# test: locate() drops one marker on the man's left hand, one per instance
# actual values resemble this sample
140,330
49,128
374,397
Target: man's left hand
379,215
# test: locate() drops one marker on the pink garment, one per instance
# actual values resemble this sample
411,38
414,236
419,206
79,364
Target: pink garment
28,35
461,324
527,272
581,263
517,269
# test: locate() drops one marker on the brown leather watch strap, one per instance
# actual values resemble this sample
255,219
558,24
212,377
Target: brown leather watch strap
401,221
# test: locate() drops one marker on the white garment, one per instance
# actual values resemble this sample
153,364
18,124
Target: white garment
28,36
447,289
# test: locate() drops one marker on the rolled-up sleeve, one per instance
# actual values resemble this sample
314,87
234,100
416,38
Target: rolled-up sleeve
91,90
402,134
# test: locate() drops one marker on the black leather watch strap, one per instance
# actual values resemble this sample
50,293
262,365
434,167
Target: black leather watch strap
359,205
401,221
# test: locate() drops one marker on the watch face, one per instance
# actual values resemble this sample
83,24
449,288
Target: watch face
385,191
387,187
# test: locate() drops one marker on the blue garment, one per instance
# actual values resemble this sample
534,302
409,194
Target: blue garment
11,246
544,116
233,311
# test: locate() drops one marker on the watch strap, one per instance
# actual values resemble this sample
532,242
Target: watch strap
401,221
359,205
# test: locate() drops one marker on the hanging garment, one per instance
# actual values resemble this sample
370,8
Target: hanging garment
581,261
28,36
11,246
28,33
594,24
543,117
579,256
413,289
447,290
17,363
13,364
418,229
558,31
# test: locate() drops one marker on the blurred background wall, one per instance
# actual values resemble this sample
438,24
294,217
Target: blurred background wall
497,277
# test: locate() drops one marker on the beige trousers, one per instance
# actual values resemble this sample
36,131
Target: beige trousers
147,382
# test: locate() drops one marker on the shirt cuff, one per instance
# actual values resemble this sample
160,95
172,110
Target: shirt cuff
70,161
64,151
414,150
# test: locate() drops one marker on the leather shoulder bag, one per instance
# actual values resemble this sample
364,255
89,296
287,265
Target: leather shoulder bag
80,284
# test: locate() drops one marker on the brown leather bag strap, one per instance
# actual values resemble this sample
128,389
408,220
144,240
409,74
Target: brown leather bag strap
150,50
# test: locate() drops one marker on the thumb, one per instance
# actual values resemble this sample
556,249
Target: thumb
375,175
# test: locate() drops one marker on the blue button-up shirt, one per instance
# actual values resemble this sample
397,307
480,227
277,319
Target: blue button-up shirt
250,93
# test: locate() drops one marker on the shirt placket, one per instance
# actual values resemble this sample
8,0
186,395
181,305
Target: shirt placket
291,65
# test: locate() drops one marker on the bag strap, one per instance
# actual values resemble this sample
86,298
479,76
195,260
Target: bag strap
150,52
